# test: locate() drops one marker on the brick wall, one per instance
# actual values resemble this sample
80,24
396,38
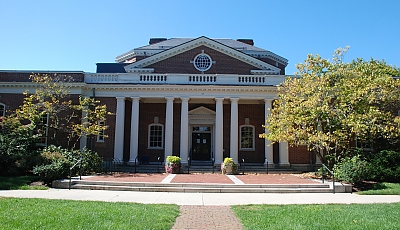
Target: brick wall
181,63
255,113
300,155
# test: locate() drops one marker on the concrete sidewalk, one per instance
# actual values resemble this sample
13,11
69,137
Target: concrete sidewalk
202,198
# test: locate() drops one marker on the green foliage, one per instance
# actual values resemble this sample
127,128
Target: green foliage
16,147
56,163
174,159
19,213
314,216
52,98
352,170
331,104
385,166
173,164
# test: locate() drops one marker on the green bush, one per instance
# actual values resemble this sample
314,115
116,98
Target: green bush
352,170
385,166
56,163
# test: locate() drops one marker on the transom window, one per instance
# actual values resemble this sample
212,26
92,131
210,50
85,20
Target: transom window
201,129
202,62
247,137
156,136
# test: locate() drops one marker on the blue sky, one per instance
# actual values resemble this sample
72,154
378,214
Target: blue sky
75,35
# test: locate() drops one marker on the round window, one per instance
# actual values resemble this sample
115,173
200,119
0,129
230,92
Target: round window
202,62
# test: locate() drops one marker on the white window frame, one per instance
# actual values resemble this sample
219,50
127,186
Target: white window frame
240,136
46,131
100,136
149,136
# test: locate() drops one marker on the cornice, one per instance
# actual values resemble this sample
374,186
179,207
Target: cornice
202,41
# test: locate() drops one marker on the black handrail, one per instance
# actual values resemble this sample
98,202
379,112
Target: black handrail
333,176
158,165
242,166
136,161
80,171
189,164
266,161
213,164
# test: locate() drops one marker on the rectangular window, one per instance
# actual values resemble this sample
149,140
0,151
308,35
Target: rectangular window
42,129
247,137
156,136
100,137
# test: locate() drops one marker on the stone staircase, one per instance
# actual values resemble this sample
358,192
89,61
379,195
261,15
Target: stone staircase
201,187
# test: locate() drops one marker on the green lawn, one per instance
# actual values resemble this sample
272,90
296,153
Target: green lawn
333,216
19,213
383,188
19,182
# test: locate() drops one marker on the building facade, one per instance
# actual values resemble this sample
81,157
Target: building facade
201,99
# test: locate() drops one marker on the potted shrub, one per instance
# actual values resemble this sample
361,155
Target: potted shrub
173,164
228,166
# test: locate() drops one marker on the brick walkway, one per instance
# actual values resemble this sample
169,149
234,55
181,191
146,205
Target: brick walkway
206,217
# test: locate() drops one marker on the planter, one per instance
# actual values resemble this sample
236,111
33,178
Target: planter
173,168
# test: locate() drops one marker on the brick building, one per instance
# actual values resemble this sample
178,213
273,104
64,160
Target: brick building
203,99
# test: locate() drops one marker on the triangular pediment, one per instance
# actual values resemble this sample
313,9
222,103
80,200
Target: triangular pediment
201,41
201,111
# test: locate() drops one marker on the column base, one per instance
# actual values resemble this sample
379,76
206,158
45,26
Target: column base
284,164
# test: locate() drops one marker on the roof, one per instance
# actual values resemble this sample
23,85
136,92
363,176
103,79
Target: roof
173,42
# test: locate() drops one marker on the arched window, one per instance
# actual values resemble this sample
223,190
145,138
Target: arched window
247,137
156,136
2,109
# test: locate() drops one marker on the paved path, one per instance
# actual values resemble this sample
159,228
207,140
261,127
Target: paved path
206,217
206,199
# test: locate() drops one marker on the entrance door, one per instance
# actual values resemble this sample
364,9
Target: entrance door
201,146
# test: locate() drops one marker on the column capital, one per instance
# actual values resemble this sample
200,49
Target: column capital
268,100
169,98
185,98
120,98
219,99
234,100
135,98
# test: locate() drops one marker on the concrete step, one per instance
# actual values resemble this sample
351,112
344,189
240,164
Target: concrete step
201,187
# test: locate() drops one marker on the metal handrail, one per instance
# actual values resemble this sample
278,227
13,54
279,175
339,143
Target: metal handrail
136,161
333,176
213,164
242,166
189,162
80,171
266,161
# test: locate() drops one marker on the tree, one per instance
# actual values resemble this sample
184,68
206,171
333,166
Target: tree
330,106
51,110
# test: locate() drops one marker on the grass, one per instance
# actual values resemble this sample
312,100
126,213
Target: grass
20,183
20,213
333,216
383,188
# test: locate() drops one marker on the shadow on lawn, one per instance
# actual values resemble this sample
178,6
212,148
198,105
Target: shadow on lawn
20,182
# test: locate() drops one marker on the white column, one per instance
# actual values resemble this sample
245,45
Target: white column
169,126
284,154
219,133
269,148
119,129
234,130
184,149
133,153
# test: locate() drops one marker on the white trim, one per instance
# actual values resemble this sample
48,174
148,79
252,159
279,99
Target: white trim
100,136
162,136
202,41
240,138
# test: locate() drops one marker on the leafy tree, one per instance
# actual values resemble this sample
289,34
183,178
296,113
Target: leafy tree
330,105
52,99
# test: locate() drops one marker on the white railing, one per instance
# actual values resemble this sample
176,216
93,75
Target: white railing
184,79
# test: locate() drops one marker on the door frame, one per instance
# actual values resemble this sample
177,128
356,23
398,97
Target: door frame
212,148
